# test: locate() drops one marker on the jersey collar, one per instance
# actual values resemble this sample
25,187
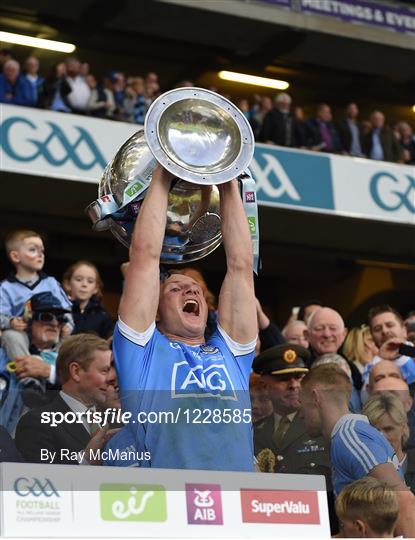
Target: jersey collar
345,418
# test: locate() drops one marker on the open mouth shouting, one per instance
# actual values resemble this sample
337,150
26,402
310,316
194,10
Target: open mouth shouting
191,307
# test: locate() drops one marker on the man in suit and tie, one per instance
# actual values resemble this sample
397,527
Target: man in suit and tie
83,367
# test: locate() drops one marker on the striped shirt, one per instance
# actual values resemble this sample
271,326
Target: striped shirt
357,448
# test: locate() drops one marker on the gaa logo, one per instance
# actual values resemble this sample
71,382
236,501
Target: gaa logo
33,486
56,148
392,193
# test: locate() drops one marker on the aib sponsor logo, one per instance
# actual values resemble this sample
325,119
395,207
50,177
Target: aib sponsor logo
269,506
34,486
201,381
250,196
290,177
130,502
56,147
204,504
391,193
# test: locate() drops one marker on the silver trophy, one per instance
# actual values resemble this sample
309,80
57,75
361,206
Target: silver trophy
201,138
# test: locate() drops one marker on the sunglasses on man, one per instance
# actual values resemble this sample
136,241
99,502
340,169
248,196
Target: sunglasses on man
48,317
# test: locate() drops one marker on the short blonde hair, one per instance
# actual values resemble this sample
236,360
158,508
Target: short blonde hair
387,403
370,500
330,378
15,238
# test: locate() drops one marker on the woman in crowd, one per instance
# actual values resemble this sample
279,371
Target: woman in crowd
359,347
83,284
386,413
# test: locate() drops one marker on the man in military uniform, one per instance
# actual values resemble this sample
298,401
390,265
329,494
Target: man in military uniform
281,442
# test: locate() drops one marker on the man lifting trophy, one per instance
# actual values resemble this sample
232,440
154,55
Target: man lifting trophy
173,194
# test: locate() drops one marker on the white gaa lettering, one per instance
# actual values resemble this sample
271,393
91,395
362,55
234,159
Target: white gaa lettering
285,186
287,507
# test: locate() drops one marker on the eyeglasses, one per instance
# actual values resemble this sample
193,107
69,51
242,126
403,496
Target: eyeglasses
48,316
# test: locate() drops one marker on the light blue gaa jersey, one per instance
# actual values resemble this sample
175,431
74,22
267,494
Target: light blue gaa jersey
356,448
203,389
405,363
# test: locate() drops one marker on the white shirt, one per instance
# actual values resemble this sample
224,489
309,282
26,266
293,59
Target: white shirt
77,407
79,97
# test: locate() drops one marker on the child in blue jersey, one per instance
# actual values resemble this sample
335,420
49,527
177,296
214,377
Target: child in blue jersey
357,448
26,252
189,397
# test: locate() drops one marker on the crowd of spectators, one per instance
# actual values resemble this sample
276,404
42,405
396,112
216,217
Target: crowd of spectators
55,356
371,138
71,87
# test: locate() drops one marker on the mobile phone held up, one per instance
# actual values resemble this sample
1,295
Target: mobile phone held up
407,350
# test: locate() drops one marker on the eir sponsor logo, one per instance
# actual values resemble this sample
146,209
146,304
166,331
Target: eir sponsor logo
272,506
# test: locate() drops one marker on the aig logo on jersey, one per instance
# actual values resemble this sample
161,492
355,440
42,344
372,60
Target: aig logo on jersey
204,504
201,381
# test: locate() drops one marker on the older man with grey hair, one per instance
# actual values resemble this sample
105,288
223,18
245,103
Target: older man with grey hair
326,333
15,89
279,126
296,332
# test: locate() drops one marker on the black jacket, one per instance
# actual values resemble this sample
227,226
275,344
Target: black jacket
94,319
345,135
8,451
270,336
274,128
392,150
32,435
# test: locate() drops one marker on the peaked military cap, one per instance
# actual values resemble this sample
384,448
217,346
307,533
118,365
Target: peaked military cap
281,359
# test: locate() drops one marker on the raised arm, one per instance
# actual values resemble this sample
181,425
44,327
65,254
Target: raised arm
237,308
139,301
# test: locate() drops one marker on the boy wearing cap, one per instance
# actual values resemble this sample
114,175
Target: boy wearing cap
25,251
